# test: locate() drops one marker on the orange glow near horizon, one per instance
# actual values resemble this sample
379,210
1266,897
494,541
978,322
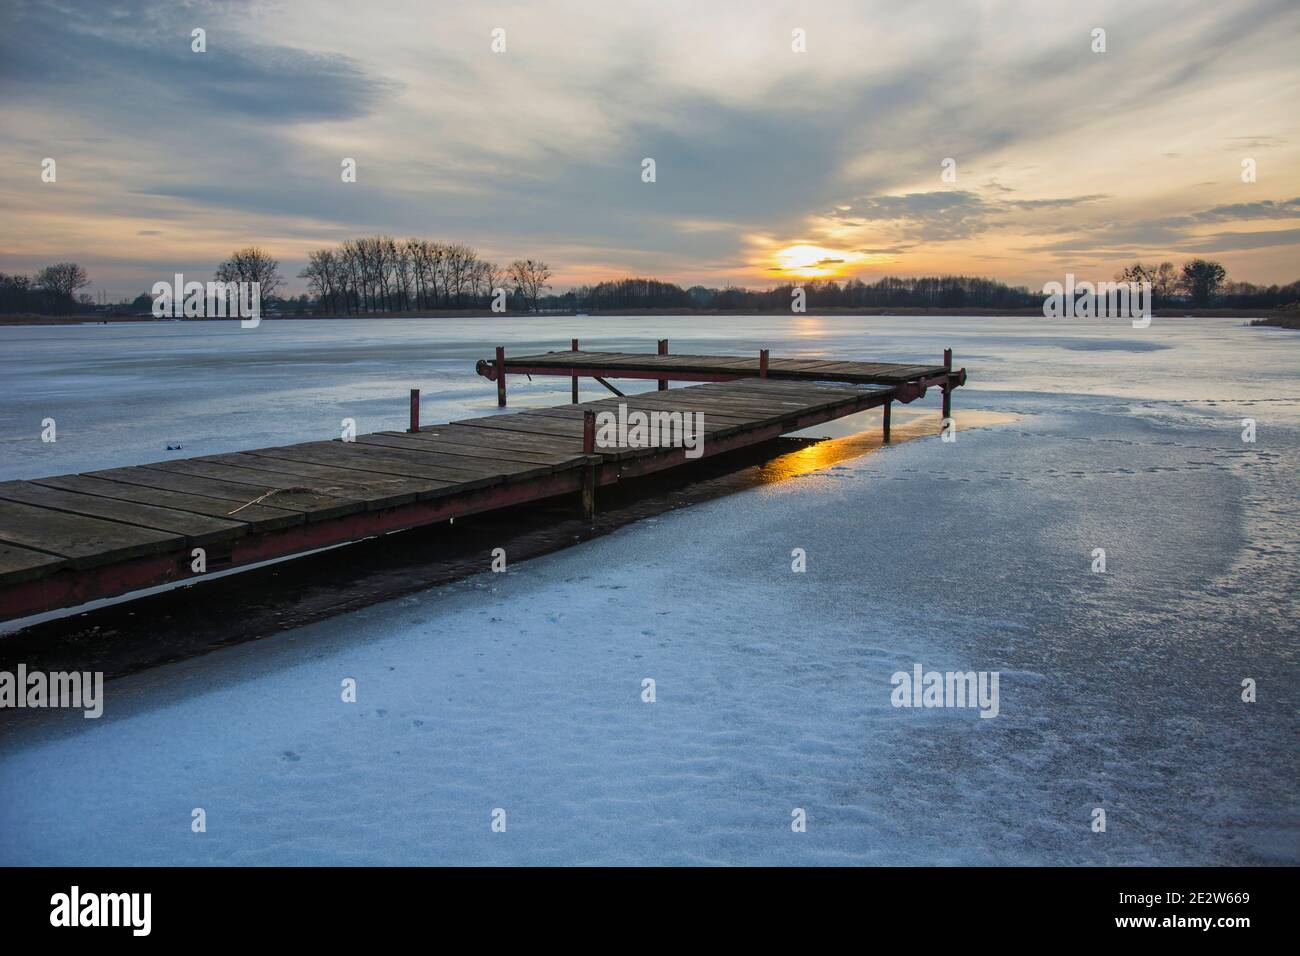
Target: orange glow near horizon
807,261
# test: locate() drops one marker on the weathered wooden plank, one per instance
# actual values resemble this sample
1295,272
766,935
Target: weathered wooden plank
879,372
545,423
257,517
377,491
198,530
775,389
423,441
520,423
85,542
394,462
560,357
542,444
570,432
710,410
807,368
746,405
314,506
22,564
793,364
728,410
439,460
752,385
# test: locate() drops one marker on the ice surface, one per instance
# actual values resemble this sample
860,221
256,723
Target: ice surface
523,690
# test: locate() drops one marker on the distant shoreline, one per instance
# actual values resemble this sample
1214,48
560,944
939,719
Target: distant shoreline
1283,320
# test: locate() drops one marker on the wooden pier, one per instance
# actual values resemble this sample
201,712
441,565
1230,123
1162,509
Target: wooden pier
910,382
70,539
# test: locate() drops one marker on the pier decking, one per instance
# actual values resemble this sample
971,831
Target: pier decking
69,539
910,382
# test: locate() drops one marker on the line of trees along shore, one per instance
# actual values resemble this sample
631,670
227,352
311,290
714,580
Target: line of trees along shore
375,275
1198,284
381,274
55,290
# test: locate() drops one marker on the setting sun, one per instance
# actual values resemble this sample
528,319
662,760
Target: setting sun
806,261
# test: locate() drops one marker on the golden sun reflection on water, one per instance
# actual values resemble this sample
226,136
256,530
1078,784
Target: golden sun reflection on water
832,451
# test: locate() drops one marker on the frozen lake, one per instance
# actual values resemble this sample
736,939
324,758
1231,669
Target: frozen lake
523,691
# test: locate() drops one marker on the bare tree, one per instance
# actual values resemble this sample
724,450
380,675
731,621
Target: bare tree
403,272
324,274
531,276
459,261
486,277
354,273
1165,281
252,264
1201,280
62,280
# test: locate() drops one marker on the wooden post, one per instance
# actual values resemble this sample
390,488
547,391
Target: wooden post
947,384
887,407
501,376
415,410
762,363
663,350
574,346
589,470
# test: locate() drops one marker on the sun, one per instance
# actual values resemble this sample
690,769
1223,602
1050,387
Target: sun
807,261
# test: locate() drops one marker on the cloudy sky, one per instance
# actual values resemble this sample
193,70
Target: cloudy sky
770,164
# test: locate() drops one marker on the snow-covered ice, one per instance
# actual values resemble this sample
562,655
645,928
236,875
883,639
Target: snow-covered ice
522,690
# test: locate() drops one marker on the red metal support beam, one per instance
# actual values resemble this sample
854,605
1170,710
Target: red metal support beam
762,363
887,407
907,392
574,347
590,477
501,376
415,410
947,384
663,350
